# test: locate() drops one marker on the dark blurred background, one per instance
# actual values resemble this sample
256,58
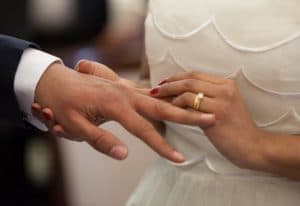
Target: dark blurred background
108,31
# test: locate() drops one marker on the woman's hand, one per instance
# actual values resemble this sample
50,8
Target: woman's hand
234,134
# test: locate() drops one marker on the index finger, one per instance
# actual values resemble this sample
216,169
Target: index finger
197,75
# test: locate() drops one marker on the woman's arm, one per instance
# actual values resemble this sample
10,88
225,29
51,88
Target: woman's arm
234,134
278,154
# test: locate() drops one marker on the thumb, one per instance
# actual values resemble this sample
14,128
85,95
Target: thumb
96,69
101,140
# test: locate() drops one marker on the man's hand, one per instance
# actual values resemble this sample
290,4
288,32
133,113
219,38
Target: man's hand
79,101
102,71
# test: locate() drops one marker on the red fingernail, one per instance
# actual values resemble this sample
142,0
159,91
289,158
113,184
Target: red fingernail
162,82
35,109
154,91
47,116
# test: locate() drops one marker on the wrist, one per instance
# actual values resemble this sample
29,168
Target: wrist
258,158
48,82
254,155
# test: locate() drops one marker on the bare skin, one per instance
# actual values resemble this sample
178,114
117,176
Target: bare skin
81,102
235,134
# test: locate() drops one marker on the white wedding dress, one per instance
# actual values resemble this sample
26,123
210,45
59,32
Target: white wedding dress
256,43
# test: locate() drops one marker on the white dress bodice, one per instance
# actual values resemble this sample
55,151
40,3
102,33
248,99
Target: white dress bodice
256,43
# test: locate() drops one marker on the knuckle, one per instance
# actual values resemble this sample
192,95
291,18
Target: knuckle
114,91
113,103
148,132
194,75
185,95
186,98
229,90
120,86
98,140
223,111
189,84
160,108
177,101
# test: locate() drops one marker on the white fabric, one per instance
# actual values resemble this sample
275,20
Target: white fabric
32,65
257,44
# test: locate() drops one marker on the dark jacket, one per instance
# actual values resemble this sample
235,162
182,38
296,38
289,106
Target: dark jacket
11,50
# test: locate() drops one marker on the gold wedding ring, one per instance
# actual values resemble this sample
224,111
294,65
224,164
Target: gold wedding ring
197,101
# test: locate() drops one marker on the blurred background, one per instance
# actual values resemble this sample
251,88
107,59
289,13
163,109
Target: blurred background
37,169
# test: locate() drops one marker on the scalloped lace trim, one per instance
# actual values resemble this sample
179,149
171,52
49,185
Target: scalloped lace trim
234,75
232,171
212,21
291,111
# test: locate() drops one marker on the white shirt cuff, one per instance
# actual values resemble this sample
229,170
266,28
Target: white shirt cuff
32,65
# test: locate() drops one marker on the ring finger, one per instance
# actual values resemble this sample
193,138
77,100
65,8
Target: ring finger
187,100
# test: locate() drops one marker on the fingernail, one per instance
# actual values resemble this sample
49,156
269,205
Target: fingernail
80,64
119,152
162,82
178,156
155,91
83,63
207,120
209,117
46,116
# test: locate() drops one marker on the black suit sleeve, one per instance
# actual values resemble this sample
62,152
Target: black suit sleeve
11,50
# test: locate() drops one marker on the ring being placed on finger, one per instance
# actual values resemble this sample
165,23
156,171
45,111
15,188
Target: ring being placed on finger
197,101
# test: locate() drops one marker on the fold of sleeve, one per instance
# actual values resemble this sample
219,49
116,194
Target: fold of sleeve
32,65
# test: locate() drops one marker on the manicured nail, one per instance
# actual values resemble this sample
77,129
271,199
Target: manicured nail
178,156
119,152
47,116
162,82
155,91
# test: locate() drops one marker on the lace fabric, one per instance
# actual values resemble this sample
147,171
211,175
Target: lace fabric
257,44
267,74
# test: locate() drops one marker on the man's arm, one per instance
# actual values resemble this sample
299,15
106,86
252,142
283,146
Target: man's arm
11,50
21,67
80,99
